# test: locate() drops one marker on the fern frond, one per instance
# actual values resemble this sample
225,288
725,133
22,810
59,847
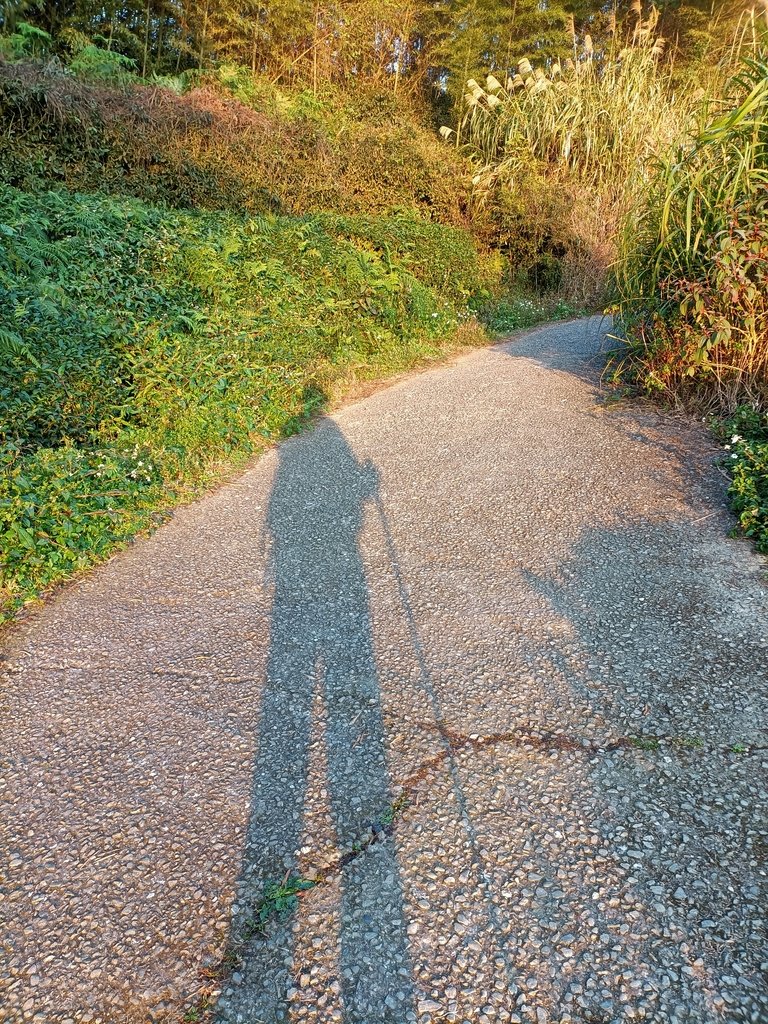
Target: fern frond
12,345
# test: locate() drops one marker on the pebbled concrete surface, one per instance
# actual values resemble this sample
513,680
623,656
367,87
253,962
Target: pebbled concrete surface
474,589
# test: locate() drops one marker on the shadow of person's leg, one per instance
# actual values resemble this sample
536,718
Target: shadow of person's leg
375,963
276,821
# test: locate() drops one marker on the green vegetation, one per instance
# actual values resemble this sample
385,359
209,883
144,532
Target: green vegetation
567,146
279,899
693,272
647,743
745,437
504,315
400,45
395,810
564,139
226,143
159,344
193,1015
692,279
691,742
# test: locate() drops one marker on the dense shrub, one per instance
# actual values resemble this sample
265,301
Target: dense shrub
693,274
24,42
703,337
207,149
145,345
444,258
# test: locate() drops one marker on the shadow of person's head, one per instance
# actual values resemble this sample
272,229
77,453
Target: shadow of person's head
319,492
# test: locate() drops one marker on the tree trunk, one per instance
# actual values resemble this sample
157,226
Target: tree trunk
146,40
203,36
314,50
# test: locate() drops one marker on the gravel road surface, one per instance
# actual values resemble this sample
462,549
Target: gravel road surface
478,654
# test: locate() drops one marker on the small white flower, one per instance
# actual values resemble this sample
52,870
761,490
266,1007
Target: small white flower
727,447
734,456
736,438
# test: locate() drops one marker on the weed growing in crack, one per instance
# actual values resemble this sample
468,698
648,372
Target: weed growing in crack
644,742
199,1012
280,898
393,812
691,742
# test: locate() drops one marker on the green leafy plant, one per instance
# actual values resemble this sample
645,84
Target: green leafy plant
25,41
647,743
691,742
395,810
12,345
745,438
102,65
279,899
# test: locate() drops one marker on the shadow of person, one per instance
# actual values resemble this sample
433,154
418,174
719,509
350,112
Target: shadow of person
321,657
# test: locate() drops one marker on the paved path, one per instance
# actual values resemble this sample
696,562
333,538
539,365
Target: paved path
471,588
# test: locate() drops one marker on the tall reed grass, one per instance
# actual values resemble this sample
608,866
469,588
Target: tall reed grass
692,277
592,129
600,121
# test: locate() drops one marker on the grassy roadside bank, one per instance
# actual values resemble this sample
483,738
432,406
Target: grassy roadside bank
164,347
692,279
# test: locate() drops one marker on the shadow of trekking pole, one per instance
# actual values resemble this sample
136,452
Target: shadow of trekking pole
482,876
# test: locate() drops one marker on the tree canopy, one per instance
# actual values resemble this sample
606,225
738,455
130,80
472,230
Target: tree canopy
404,43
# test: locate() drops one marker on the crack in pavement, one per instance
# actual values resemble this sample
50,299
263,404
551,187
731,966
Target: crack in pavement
455,742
